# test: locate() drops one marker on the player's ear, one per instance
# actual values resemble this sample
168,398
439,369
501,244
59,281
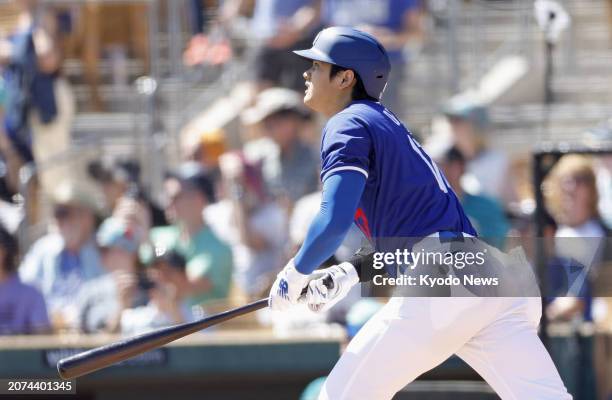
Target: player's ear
348,79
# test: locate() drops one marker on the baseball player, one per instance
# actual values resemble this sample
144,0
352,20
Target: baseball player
375,173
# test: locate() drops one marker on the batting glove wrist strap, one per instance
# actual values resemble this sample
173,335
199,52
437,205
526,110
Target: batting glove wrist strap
363,263
345,273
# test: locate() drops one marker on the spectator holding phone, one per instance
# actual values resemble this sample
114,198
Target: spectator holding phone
102,300
166,286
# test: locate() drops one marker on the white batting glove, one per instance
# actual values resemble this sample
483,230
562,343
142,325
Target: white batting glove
287,288
331,287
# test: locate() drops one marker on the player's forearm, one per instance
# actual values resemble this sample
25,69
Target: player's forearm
341,194
324,237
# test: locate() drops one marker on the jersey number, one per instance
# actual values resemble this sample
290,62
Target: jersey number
419,150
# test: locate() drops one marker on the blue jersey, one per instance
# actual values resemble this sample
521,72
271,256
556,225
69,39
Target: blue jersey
405,195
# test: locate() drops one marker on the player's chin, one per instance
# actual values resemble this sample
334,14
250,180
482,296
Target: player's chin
309,101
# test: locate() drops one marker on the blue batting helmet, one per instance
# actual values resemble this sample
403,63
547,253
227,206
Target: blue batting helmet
352,49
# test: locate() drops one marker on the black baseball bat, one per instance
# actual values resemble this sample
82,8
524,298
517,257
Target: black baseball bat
104,356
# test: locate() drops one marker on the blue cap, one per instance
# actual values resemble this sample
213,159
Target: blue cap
353,49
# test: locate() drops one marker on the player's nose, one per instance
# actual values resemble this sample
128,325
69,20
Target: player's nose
306,75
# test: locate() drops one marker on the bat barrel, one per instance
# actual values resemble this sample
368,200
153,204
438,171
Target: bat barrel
101,357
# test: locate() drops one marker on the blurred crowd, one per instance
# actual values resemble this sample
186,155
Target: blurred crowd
116,257
113,256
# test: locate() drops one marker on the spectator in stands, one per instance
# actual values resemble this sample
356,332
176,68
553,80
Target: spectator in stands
102,300
209,260
395,23
571,198
601,136
603,172
282,26
10,160
488,170
252,222
62,261
209,43
206,148
40,105
167,287
290,166
485,213
22,307
120,182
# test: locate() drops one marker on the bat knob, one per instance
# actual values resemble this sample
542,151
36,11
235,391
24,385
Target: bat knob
328,282
61,370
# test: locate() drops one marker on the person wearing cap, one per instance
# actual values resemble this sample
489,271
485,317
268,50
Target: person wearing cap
22,306
102,300
64,259
167,288
376,174
487,170
290,165
188,190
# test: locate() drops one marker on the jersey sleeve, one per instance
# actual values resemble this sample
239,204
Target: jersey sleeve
346,145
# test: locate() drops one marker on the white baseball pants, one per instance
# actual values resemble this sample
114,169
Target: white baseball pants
409,336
